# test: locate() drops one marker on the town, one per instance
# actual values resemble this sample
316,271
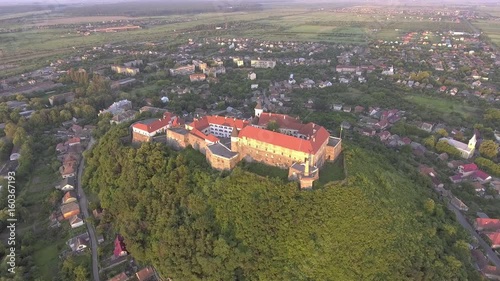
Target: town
426,96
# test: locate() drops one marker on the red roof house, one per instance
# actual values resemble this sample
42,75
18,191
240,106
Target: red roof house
481,176
120,249
467,169
494,238
487,224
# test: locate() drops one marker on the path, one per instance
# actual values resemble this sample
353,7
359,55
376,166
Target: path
85,211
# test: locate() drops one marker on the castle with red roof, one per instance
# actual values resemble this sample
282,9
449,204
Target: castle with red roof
273,139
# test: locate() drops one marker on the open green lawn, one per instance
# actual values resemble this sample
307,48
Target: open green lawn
46,257
265,170
332,171
442,105
490,28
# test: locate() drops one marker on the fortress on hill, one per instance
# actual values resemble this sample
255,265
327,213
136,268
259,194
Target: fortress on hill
300,148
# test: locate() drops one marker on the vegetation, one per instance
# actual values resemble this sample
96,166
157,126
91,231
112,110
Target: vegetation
488,149
443,146
193,223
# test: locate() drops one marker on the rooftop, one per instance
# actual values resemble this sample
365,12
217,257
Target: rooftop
221,151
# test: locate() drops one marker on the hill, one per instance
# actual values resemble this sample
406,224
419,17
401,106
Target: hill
193,223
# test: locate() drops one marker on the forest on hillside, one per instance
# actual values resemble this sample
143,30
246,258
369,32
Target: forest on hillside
194,223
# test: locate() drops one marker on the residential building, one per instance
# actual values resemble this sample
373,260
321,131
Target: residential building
76,221
144,131
182,70
67,184
197,77
119,277
252,76
61,99
145,274
263,63
482,224
69,196
494,239
120,248
70,209
131,71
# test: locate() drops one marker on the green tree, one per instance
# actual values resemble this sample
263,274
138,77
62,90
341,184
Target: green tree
488,149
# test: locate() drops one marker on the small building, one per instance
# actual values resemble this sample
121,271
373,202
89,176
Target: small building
459,204
144,131
76,221
482,224
69,196
120,277
120,248
145,274
252,76
494,239
197,77
70,209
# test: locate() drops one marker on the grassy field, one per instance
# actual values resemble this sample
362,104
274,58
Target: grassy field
490,28
265,170
332,171
46,258
442,105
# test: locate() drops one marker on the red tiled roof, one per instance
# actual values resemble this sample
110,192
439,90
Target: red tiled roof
481,175
120,277
73,140
144,273
488,223
119,246
283,121
208,137
308,146
494,237
205,121
156,125
469,167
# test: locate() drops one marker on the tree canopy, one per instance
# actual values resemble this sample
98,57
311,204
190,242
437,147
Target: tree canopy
193,223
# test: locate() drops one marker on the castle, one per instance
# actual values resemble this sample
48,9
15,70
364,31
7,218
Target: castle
273,139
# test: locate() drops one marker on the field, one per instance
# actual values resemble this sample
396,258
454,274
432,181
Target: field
442,105
491,29
32,48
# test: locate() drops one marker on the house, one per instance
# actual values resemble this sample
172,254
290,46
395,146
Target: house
182,70
61,99
145,274
73,141
467,169
337,107
61,148
347,109
69,196
478,187
197,77
426,127
481,177
345,125
262,63
67,184
491,272
131,71
76,221
359,109
70,209
494,238
384,135
68,169
144,131
252,76
120,249
120,277
457,203
122,117
79,243
481,224
254,86
457,178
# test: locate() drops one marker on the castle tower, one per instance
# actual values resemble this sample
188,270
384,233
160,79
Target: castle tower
258,109
234,140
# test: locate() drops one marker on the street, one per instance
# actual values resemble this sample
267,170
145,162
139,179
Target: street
486,247
85,212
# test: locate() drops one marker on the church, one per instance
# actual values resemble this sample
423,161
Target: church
273,139
466,150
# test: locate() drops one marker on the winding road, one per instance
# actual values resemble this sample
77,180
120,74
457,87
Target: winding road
85,212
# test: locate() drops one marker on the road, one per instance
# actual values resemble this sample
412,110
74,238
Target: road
85,212
492,256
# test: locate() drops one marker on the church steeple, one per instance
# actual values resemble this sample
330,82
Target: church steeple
472,142
258,108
